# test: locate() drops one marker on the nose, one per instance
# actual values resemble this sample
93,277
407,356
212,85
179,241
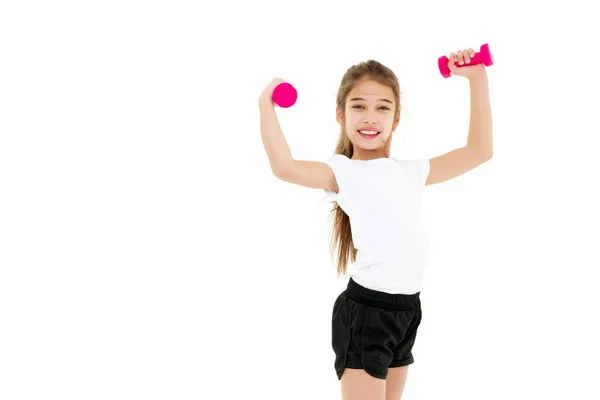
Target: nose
370,117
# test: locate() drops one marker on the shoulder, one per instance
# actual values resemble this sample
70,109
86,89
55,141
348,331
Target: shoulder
420,166
337,160
413,162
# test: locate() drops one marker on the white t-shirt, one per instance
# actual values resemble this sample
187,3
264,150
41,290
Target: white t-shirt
383,197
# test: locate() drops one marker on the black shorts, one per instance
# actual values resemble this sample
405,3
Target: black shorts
373,330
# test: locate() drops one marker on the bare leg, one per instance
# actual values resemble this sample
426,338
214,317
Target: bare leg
357,384
395,382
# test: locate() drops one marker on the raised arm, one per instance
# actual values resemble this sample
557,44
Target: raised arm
312,174
479,148
277,148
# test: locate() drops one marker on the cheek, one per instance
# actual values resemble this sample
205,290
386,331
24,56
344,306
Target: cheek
353,120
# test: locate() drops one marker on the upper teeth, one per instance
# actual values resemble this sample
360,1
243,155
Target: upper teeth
368,132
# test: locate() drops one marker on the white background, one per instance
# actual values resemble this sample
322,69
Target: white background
147,251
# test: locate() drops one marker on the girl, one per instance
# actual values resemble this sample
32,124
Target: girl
377,217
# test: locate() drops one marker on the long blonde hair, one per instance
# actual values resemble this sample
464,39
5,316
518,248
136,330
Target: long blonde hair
341,232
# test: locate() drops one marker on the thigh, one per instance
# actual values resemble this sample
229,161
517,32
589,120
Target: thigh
395,382
357,384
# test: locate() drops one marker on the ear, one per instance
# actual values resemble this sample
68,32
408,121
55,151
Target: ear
339,116
396,120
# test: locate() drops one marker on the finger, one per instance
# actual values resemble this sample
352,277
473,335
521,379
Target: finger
451,60
461,57
456,63
467,56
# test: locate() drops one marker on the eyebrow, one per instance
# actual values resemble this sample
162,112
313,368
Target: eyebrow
360,98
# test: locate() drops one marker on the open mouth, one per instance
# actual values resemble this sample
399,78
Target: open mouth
369,134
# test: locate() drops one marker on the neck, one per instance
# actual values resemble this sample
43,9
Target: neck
365,155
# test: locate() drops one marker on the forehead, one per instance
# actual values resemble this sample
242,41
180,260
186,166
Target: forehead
371,91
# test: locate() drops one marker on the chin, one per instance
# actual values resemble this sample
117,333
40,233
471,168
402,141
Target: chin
370,143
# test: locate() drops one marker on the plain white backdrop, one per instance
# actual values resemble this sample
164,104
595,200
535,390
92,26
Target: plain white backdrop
147,251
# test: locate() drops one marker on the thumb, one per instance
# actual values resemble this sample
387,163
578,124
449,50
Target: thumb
451,61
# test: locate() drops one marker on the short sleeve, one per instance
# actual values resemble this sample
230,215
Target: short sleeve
423,166
339,163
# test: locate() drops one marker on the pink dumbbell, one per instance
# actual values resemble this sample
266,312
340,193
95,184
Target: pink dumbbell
284,95
483,57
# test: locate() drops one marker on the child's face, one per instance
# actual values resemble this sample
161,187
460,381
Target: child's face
370,106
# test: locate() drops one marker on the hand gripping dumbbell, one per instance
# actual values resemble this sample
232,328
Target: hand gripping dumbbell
284,95
482,57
